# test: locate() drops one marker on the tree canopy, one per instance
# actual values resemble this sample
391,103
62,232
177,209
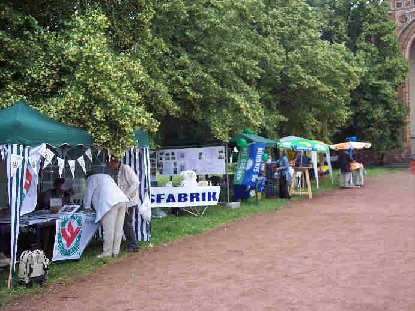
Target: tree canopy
365,28
203,70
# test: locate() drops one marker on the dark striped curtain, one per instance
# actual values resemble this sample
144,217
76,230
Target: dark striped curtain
138,160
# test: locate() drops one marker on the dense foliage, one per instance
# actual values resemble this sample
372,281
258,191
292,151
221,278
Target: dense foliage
366,29
200,70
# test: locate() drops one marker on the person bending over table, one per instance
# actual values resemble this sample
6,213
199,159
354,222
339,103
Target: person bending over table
128,182
109,203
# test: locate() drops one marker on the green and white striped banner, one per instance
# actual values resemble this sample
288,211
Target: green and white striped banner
17,156
139,160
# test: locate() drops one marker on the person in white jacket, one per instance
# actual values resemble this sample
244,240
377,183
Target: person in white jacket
109,203
128,182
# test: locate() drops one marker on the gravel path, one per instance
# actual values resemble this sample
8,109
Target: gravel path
348,250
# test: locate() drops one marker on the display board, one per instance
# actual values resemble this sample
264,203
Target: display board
204,161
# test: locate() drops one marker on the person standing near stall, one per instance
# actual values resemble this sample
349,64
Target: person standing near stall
345,172
285,176
359,179
128,182
109,203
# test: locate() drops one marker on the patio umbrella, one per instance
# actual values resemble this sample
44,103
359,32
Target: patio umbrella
302,144
351,145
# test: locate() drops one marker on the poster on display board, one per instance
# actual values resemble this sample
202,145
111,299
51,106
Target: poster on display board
204,161
153,166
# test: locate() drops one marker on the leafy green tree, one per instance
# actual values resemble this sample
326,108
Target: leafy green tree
74,76
231,65
311,88
366,29
197,69
205,53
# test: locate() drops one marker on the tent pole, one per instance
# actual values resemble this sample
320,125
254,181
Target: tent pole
226,171
9,281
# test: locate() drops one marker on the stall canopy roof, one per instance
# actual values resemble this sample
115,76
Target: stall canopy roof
20,124
142,138
252,138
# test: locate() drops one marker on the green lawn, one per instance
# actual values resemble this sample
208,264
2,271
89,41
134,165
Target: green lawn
164,230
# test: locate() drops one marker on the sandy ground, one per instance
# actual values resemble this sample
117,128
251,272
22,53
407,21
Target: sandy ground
350,249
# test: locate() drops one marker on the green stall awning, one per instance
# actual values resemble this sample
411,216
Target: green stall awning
21,124
142,138
252,138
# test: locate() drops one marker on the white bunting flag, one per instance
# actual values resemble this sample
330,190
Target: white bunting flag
34,163
15,163
48,155
72,167
81,162
89,154
61,165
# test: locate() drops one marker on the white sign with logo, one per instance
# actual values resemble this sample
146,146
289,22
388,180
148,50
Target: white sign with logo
184,196
73,233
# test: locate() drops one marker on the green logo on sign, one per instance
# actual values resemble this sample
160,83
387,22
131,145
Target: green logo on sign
69,236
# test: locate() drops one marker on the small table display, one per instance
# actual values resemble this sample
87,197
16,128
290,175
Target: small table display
74,229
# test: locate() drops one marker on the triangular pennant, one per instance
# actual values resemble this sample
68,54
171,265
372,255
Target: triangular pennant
81,162
88,153
34,163
72,167
48,155
15,163
61,165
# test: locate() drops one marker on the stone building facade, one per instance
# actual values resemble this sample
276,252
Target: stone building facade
403,13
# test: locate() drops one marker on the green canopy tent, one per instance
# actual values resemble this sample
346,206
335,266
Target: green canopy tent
21,124
252,138
22,128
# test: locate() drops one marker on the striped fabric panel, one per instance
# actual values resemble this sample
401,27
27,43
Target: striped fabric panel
136,159
16,196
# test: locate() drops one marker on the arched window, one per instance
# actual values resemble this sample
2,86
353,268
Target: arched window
403,19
